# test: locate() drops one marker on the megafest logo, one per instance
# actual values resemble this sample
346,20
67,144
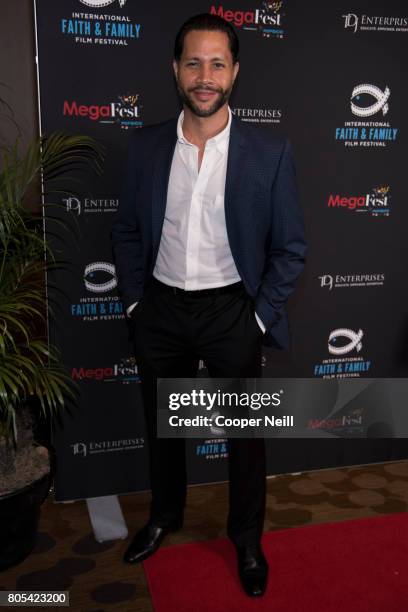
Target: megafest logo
124,372
376,203
126,112
258,115
92,447
374,23
348,424
99,278
98,28
266,18
77,206
368,100
344,281
345,345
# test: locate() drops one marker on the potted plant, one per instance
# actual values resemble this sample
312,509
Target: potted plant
33,383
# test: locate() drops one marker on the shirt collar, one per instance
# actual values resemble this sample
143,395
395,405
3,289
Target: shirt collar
219,140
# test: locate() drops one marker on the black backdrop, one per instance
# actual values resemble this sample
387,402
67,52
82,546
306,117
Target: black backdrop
104,70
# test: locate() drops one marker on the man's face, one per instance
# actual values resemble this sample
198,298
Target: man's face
205,73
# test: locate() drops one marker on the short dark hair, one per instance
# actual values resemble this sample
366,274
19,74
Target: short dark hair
206,21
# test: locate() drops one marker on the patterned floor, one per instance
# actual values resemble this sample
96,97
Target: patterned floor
68,558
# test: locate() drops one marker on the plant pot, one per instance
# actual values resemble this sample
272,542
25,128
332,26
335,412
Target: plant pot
20,514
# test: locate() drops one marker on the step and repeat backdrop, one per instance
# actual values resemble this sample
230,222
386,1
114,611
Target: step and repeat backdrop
329,75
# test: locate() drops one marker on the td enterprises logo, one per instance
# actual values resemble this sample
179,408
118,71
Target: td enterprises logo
343,281
266,18
367,100
83,449
99,278
374,23
123,372
100,29
258,115
376,203
341,343
90,205
126,112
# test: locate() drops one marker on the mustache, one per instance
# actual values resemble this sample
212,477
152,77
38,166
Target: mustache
206,88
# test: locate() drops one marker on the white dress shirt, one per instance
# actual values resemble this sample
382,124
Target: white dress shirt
194,251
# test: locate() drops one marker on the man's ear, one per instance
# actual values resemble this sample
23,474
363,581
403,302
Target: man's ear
236,69
175,68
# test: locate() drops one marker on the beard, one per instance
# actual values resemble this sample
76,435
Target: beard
221,99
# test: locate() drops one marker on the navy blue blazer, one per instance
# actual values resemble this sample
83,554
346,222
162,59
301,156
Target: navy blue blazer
263,217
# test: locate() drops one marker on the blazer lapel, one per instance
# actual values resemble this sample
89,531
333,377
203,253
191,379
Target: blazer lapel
161,174
234,187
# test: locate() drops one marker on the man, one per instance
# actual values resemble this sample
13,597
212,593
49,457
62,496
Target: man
208,242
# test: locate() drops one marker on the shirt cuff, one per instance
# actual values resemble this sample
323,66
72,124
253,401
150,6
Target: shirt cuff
130,308
261,325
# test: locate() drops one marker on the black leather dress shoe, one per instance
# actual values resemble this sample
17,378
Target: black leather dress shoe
252,570
147,541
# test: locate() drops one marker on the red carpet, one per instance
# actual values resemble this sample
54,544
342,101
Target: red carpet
354,566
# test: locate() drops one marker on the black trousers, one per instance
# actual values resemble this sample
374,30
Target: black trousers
172,332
